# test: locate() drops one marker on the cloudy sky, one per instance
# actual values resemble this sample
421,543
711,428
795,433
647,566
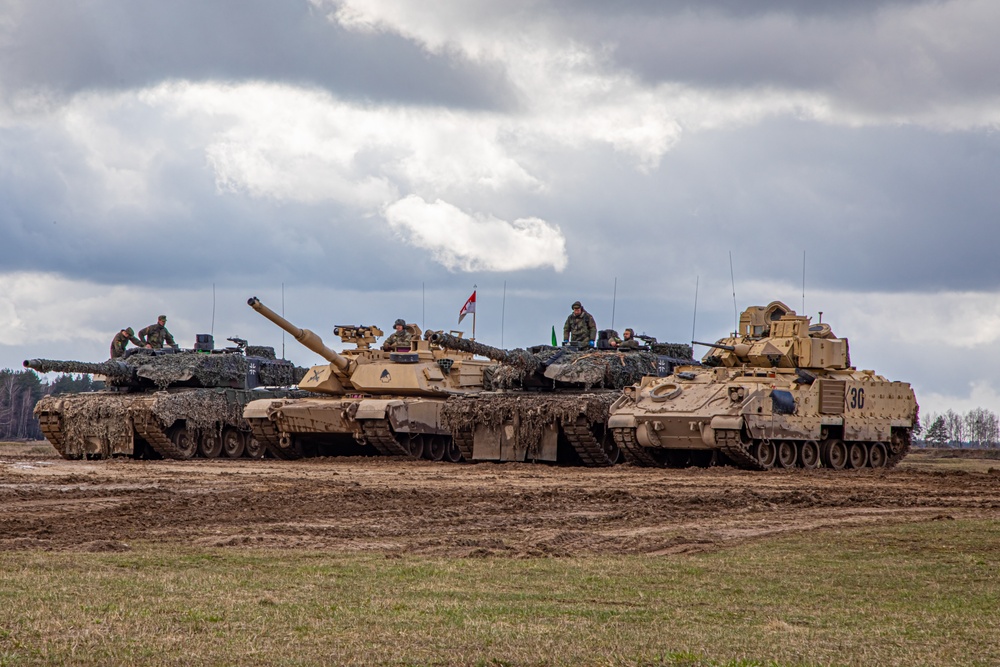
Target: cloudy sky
354,161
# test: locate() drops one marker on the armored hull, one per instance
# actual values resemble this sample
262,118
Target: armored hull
779,393
549,404
171,404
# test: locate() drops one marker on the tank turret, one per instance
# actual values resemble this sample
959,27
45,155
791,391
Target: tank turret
779,392
547,367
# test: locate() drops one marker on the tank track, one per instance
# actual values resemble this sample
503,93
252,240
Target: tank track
894,458
634,453
376,432
583,442
266,432
51,427
464,440
150,431
736,450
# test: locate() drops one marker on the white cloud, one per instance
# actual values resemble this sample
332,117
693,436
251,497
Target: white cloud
466,242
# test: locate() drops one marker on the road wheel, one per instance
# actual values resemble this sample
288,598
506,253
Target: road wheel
452,453
437,447
766,453
835,454
415,446
233,443
254,448
857,455
210,444
787,454
809,456
184,442
877,455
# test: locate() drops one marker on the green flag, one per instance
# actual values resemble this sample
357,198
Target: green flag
554,343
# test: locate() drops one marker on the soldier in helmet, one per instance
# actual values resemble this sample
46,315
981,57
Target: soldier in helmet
399,339
580,328
121,341
154,335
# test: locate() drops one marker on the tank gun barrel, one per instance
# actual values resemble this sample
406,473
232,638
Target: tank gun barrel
113,369
450,342
304,336
719,346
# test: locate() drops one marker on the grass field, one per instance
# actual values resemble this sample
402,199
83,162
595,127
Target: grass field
915,594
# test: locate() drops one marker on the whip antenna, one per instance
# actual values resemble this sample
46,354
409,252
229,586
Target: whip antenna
694,318
803,282
614,300
732,277
213,310
503,311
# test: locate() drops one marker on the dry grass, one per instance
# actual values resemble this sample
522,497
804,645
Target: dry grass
919,594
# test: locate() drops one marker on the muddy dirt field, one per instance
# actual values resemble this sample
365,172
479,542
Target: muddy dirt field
518,510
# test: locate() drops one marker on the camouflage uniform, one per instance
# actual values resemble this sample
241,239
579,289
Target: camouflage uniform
628,344
580,329
155,335
397,339
121,341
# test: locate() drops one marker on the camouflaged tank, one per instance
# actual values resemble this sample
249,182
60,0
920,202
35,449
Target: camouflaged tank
365,400
167,403
550,403
781,392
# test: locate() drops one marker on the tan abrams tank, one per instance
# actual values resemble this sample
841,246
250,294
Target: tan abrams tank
165,403
779,393
366,400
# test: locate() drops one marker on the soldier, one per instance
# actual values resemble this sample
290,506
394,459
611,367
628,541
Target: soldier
626,343
580,328
121,341
154,335
401,337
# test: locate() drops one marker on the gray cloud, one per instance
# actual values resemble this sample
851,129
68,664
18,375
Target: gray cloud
68,47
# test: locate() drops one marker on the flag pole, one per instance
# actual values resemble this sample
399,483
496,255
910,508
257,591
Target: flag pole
474,288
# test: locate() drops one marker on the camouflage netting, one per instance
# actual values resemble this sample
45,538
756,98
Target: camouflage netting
262,351
209,370
576,369
673,350
281,375
529,411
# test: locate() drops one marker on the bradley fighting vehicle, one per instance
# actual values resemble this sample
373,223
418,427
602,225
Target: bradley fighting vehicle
168,403
549,403
778,393
366,400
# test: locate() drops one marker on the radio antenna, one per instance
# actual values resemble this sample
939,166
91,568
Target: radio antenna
694,318
803,282
213,310
503,311
732,277
282,314
614,300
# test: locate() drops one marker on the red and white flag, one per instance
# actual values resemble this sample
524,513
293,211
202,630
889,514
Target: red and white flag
469,307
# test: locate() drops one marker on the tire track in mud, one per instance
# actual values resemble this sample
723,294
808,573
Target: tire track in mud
377,505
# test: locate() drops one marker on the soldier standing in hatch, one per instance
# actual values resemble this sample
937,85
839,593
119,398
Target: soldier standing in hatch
121,341
627,343
154,335
400,338
580,328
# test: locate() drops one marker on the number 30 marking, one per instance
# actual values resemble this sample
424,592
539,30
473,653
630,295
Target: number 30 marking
856,398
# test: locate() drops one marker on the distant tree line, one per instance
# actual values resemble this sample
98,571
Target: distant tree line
21,390
978,427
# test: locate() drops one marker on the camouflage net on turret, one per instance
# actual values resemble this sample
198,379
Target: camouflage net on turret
584,370
531,412
209,370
